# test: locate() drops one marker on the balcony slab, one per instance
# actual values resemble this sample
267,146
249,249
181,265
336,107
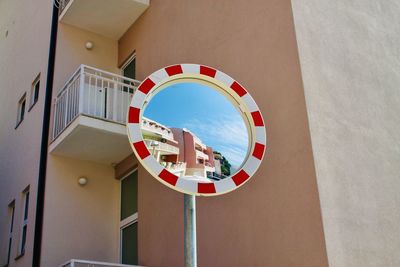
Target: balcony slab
110,18
93,139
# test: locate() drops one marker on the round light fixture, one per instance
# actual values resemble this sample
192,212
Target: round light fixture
89,45
82,181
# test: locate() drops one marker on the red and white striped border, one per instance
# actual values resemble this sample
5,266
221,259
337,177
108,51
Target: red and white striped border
232,87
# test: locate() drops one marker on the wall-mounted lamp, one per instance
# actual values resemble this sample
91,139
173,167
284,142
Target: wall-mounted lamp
89,45
82,181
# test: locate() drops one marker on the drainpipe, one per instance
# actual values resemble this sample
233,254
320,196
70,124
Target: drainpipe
37,242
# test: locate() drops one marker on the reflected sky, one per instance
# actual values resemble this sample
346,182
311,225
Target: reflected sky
206,113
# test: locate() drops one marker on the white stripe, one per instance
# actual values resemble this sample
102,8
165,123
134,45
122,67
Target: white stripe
138,99
134,132
187,185
190,68
224,78
224,185
261,135
158,76
251,165
152,163
250,103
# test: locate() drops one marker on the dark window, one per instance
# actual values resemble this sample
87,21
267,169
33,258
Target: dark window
11,208
129,195
129,71
35,91
21,109
24,222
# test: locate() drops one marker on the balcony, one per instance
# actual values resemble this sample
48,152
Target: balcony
164,148
110,18
156,129
201,155
90,115
178,168
85,263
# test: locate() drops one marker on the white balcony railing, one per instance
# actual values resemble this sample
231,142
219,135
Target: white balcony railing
94,93
86,263
176,167
159,146
155,127
202,155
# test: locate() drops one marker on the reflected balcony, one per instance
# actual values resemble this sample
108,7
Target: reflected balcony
89,116
110,18
163,148
201,155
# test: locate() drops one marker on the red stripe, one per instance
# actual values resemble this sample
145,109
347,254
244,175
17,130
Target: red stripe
240,177
141,149
206,188
208,71
258,150
238,89
257,118
168,177
146,86
133,116
173,70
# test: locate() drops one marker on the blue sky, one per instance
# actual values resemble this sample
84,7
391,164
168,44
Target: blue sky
206,113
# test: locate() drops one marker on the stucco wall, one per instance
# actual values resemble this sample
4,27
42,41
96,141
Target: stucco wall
273,220
24,39
71,53
81,222
349,53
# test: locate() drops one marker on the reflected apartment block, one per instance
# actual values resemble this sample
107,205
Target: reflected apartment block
179,150
198,157
160,141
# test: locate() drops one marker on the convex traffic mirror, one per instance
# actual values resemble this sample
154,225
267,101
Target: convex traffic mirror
196,129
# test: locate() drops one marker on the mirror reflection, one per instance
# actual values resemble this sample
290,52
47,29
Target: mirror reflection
195,132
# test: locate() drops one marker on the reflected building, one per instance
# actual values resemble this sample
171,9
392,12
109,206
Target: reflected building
199,157
160,141
181,152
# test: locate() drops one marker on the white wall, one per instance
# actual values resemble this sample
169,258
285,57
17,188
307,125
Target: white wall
24,42
350,59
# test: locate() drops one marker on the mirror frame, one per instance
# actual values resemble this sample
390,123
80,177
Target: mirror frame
235,93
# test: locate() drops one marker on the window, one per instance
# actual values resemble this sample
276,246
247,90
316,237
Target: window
129,219
35,91
24,222
21,109
11,212
129,71
129,68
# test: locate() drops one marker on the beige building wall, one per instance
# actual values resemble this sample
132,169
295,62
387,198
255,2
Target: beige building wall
349,53
24,44
81,222
71,53
273,220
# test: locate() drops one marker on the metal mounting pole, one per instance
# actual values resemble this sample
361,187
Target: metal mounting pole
190,230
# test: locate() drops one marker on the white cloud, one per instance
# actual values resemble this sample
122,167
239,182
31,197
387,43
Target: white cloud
225,134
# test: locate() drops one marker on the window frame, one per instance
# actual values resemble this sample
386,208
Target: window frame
127,62
11,222
132,219
33,100
21,110
24,223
